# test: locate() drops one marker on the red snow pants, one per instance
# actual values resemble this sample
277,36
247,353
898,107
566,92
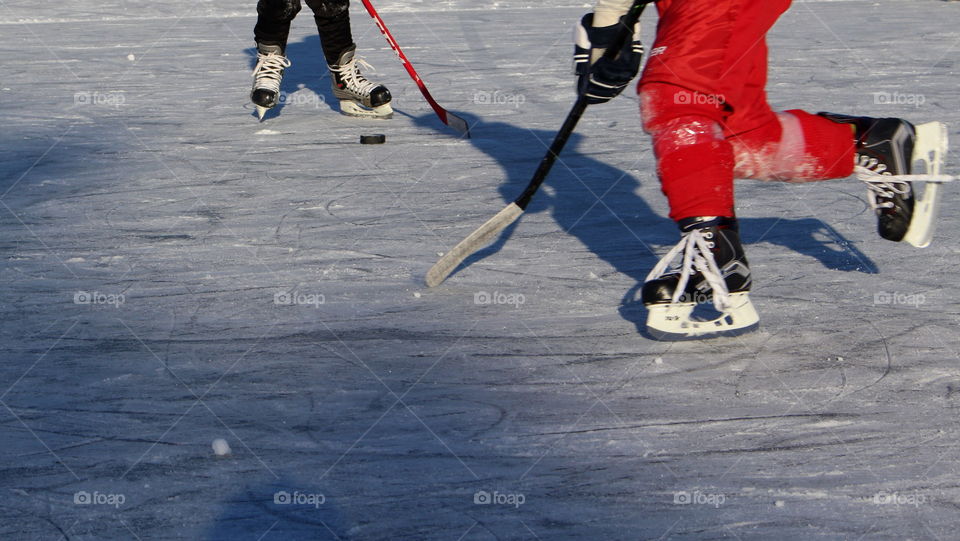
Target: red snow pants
702,99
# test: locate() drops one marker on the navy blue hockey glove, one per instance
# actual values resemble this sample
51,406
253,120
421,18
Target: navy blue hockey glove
604,79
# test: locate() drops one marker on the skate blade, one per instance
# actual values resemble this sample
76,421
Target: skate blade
673,322
352,108
930,150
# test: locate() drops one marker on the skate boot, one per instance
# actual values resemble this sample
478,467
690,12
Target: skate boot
267,76
357,95
887,148
712,269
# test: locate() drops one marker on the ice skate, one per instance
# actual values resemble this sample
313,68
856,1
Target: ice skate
712,269
267,76
888,148
357,95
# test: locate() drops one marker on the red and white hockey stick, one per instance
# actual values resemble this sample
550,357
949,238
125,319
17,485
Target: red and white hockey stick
446,117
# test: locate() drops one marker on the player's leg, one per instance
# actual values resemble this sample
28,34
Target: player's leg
273,21
797,146
709,58
358,96
271,32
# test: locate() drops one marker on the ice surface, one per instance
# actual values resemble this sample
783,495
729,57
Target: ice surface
175,272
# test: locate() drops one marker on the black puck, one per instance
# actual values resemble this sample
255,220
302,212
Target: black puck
374,139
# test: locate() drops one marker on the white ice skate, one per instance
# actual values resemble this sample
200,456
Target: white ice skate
358,96
889,154
929,153
712,269
267,76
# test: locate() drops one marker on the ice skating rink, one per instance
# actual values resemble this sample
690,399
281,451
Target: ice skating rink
175,272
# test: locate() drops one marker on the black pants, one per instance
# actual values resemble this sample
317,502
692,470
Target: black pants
332,17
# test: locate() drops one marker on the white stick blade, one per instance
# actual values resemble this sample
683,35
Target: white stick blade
470,245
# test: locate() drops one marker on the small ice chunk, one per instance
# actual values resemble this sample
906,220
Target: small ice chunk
221,447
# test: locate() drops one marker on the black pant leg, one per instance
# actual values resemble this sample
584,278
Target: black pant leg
333,24
273,21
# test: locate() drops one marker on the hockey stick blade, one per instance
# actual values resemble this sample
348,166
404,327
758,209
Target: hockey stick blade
468,246
457,123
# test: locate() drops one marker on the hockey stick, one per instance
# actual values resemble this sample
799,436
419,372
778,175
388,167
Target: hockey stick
446,117
483,234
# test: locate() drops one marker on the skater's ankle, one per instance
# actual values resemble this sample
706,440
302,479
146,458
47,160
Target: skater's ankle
701,222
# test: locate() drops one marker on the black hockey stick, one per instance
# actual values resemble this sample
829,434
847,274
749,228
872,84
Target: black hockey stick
486,232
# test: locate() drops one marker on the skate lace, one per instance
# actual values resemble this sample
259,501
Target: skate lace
350,74
697,257
269,71
882,186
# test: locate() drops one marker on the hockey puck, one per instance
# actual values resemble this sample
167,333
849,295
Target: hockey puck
374,139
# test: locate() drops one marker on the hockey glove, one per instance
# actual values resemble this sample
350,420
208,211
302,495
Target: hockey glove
604,79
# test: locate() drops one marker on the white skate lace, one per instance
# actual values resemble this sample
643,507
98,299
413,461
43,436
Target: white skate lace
882,186
355,82
269,71
697,257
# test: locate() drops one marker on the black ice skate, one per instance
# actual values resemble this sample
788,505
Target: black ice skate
887,149
267,76
357,95
713,268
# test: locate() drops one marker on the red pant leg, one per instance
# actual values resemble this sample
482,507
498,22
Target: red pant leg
704,103
795,147
717,48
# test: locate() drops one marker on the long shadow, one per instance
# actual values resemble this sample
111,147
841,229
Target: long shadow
589,199
308,70
598,204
